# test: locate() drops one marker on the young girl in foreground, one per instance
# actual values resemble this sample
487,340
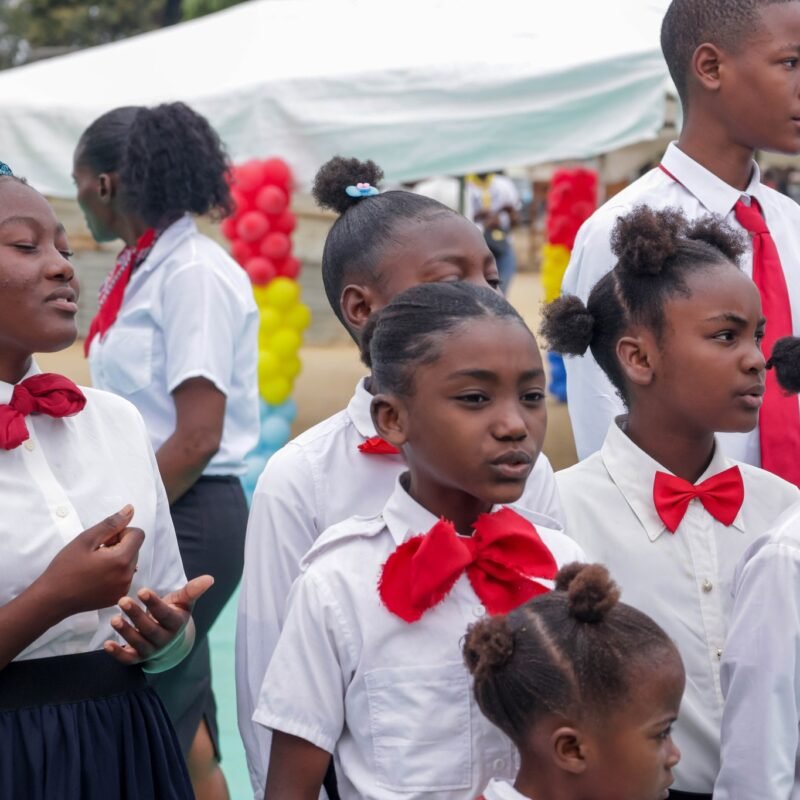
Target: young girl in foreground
368,664
586,687
77,720
677,328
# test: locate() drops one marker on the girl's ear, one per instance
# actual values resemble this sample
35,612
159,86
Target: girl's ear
568,747
635,354
357,303
390,417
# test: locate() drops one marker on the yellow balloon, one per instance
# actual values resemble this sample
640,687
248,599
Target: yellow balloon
260,295
269,366
276,391
271,322
285,343
298,317
290,367
282,293
555,258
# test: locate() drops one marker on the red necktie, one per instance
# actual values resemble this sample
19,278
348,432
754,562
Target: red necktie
49,394
722,496
375,446
779,420
501,560
113,289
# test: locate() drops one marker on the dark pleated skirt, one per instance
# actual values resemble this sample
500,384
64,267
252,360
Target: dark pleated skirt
85,727
210,523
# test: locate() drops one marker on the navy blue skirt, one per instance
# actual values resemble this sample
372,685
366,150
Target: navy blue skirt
85,727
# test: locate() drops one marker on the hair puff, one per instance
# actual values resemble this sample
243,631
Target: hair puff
489,645
336,175
645,239
592,593
567,326
714,231
785,360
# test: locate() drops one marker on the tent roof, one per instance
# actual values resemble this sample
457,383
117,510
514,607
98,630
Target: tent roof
423,87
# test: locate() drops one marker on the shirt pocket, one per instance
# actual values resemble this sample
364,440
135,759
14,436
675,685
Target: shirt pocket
420,726
128,360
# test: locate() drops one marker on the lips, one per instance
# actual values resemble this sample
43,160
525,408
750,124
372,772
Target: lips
513,464
65,299
753,397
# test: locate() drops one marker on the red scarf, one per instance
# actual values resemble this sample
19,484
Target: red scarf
113,289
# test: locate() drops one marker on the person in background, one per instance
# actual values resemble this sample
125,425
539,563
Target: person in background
176,334
735,66
493,203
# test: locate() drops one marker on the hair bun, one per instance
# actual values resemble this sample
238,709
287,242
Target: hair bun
645,239
717,233
333,178
591,592
567,326
488,646
785,360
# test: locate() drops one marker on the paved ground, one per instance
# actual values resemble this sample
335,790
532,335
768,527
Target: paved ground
324,387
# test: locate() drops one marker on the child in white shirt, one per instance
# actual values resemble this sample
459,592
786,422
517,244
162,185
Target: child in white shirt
367,667
586,687
677,328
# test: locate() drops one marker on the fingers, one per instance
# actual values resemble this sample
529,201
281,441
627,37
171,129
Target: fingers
107,531
170,618
130,543
124,654
189,593
144,647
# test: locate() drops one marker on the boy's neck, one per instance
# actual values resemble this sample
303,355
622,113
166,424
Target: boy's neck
707,142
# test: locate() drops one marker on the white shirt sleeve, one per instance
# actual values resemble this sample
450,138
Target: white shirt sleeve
592,400
303,691
759,675
202,320
280,530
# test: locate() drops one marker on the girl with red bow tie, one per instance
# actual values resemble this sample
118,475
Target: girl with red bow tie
368,665
677,328
77,718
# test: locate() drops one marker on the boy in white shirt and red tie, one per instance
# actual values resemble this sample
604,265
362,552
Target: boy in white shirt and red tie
735,65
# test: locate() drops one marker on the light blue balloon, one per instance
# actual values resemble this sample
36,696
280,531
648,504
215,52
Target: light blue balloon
275,432
286,410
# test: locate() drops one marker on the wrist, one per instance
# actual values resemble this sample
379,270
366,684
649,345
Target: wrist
48,605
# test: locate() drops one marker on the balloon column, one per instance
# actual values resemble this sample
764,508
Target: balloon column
259,231
570,201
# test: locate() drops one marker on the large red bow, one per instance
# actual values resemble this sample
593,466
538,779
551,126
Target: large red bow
375,446
722,496
504,560
49,394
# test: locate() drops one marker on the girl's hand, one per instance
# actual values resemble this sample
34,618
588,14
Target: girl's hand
155,629
95,568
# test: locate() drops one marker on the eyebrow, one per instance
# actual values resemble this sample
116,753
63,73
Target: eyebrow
29,221
729,316
488,375
457,260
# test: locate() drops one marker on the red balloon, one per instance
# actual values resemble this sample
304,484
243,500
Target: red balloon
242,252
241,202
276,171
272,200
252,226
249,177
290,268
276,246
261,270
283,223
228,228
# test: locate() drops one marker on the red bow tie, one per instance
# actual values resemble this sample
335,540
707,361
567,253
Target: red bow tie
722,496
501,560
49,394
375,446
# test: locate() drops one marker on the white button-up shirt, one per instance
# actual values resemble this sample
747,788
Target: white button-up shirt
502,790
393,701
188,312
682,580
69,475
318,479
593,401
761,671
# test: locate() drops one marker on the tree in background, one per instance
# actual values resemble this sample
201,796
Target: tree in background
34,29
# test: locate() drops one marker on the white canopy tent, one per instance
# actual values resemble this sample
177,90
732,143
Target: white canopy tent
423,87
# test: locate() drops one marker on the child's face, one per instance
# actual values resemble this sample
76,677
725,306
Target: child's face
631,754
760,84
96,212
476,420
38,285
708,371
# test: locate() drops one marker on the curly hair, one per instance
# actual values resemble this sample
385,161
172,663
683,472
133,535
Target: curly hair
656,251
169,159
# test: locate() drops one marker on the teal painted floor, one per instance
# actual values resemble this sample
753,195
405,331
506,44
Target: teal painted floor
233,763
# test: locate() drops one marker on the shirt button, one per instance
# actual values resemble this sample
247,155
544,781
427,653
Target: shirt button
62,511
719,654
499,764
29,445
479,611
707,586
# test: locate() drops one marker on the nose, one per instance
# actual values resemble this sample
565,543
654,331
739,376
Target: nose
754,359
510,424
60,268
674,755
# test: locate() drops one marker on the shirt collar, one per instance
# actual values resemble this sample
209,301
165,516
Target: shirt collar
358,409
717,196
7,389
633,473
168,240
404,516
